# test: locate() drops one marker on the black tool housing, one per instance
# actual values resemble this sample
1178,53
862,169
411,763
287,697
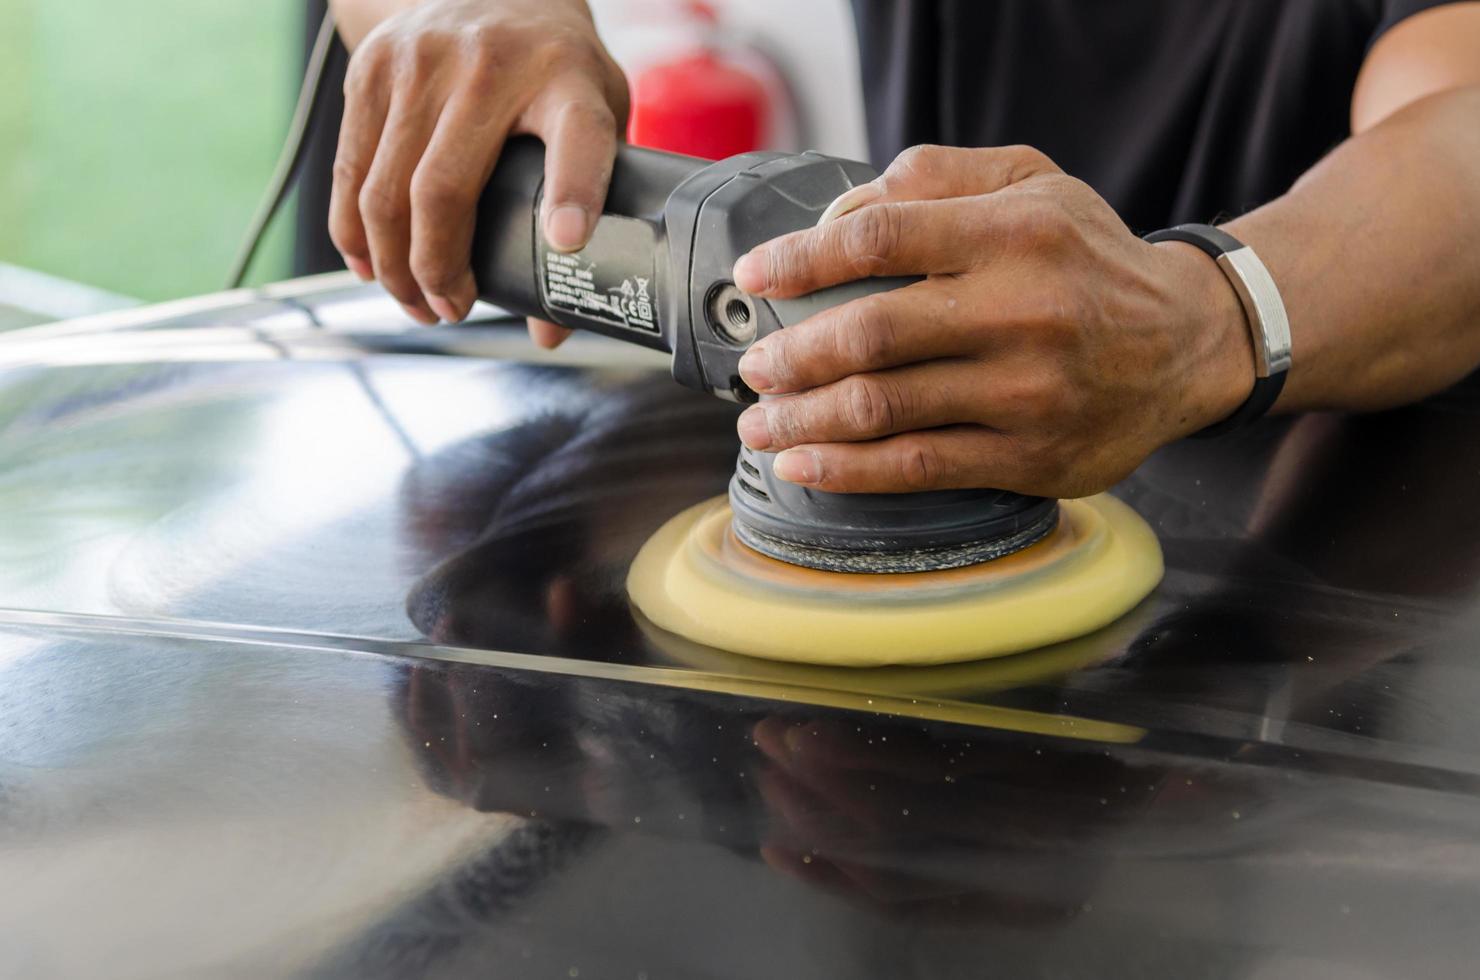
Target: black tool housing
657,272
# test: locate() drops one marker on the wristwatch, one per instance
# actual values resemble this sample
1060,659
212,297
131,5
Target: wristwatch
1269,327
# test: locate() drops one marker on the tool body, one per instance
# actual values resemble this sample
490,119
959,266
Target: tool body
657,272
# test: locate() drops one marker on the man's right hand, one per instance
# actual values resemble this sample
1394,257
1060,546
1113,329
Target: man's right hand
432,92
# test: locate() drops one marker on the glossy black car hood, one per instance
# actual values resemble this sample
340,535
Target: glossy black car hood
315,660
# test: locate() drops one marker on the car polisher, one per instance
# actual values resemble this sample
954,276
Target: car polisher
774,570
970,573
657,273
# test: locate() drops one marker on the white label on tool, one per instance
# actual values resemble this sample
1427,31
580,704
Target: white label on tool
574,283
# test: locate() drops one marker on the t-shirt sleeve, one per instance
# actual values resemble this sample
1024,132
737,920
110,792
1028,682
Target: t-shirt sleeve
1393,12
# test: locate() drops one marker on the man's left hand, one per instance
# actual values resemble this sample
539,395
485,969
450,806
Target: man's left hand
1048,350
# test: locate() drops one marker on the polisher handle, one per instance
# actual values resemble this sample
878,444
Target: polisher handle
657,270
612,285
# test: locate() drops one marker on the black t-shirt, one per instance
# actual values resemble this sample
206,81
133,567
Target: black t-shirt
1174,110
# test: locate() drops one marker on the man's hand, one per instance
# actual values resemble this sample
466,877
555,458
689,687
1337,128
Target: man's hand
431,94
1048,350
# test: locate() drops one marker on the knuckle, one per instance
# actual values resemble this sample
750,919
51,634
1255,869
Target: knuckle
1063,324
871,236
787,262
381,205
1035,401
915,161
919,465
880,334
367,64
418,57
1043,224
868,405
785,420
347,173
438,194
357,79
1025,161
867,337
779,359
1037,322
485,40
1061,186
1039,225
587,114
564,49
486,67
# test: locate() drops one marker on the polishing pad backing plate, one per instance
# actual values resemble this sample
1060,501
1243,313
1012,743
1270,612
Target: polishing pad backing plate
694,578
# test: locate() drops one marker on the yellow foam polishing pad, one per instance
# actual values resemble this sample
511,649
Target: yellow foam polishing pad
695,579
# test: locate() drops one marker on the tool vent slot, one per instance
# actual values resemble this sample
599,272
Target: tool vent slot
755,492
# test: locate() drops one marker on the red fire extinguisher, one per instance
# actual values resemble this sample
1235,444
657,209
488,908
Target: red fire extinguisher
705,100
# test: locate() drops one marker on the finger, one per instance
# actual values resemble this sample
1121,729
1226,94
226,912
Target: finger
444,198
870,406
927,172
888,239
580,134
915,323
546,334
365,104
803,817
769,735
385,200
942,459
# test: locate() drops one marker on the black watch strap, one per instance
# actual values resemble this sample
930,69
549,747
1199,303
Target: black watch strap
1269,328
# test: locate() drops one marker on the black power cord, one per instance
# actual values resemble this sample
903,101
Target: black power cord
290,161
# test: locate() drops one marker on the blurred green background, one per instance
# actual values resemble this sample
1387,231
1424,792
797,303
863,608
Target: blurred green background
136,137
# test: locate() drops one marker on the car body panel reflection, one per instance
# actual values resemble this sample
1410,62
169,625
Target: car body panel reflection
324,668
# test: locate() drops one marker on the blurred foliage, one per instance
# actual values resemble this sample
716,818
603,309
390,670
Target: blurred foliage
137,135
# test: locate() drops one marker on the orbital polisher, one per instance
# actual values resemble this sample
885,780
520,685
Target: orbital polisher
893,578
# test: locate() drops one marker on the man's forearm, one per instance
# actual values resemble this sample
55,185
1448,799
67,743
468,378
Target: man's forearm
1376,251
